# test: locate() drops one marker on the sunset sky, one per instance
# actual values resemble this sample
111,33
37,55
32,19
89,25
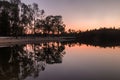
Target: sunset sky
83,14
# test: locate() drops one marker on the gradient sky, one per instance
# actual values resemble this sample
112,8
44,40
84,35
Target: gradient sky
83,14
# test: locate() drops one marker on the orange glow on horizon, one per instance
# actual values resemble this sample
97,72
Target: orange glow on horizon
84,27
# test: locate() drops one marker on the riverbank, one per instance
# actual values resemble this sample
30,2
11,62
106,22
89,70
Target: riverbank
23,40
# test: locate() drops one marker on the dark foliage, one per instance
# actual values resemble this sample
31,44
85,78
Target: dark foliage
17,19
100,35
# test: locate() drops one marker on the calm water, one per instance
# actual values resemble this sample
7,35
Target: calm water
59,61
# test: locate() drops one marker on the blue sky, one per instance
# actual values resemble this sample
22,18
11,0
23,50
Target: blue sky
83,14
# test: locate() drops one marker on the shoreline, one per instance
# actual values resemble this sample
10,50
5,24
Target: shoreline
8,41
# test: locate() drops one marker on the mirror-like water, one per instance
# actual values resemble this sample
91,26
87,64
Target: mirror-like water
59,61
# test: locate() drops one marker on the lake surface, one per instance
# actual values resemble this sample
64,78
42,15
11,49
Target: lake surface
59,61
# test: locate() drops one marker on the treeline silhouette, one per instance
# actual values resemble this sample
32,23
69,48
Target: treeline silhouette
17,19
20,62
104,37
100,35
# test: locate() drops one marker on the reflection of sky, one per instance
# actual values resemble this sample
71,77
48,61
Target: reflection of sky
29,48
85,63
82,14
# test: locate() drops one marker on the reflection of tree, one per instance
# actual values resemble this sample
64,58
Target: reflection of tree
53,54
103,44
28,60
7,71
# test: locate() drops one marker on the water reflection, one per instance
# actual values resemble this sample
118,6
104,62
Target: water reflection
26,62
106,44
20,62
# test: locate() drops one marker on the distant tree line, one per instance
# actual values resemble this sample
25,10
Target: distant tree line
100,35
17,18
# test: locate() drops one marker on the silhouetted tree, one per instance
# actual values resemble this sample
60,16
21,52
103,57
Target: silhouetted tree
14,17
4,18
4,23
58,24
9,17
17,18
54,24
